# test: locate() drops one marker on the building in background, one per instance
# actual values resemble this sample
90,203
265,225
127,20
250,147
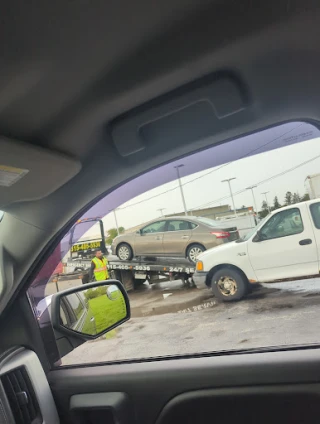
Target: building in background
217,212
244,222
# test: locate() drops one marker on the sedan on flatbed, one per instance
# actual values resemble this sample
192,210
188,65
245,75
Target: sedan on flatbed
178,236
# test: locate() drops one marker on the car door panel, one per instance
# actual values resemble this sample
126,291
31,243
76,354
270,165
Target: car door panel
149,244
149,241
314,214
176,238
278,385
291,254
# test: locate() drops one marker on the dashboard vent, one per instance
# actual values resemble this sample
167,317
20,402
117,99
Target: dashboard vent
21,396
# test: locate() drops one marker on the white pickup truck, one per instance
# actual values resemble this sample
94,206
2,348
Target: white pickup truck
284,246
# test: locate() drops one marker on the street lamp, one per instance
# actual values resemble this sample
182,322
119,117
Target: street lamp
181,190
265,195
254,199
115,218
160,210
228,181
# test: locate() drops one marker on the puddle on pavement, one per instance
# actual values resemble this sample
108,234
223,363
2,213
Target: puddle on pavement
173,304
177,297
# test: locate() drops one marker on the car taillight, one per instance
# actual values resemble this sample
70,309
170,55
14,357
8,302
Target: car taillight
220,234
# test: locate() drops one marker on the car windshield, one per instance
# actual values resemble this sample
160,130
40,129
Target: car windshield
255,229
185,298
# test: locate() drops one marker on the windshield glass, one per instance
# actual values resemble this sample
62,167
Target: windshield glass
176,308
255,229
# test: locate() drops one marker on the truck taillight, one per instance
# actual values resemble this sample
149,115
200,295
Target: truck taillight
220,234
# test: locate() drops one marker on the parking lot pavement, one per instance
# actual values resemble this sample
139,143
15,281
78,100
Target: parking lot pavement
272,315
54,287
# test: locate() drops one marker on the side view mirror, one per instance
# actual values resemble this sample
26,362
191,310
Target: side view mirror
257,238
139,232
91,310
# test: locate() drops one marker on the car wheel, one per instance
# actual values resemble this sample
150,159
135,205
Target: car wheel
229,284
194,251
124,252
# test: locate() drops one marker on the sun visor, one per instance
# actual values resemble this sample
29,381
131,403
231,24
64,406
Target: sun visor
28,172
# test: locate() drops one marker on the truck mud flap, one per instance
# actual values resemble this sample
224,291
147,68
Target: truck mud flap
125,277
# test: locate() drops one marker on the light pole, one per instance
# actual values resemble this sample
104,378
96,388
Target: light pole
228,181
161,210
115,218
254,199
265,195
181,190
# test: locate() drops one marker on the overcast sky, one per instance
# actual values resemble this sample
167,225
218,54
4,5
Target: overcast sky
210,191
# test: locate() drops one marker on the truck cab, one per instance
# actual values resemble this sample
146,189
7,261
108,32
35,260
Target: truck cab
284,246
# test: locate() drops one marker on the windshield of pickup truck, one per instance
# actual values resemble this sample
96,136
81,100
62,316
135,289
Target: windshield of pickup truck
254,230
169,236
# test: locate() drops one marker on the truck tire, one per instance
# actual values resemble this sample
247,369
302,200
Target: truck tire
229,285
124,252
193,251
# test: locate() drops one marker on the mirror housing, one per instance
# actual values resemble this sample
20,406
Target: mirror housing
257,238
104,306
139,232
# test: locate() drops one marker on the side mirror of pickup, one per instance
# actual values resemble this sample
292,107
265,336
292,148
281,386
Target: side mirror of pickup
257,238
90,310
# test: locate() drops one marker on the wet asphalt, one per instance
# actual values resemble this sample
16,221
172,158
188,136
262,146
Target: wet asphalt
173,319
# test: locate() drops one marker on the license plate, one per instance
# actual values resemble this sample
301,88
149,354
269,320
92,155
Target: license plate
140,276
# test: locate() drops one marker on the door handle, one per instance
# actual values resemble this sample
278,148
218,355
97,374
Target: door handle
185,237
158,238
305,241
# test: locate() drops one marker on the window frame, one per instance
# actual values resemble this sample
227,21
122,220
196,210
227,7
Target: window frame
155,232
174,231
311,207
288,235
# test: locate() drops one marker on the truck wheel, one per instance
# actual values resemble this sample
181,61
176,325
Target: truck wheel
229,285
194,251
124,252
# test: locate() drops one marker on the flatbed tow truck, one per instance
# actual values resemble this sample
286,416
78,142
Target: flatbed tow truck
132,273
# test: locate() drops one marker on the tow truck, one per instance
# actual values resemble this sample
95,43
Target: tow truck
132,273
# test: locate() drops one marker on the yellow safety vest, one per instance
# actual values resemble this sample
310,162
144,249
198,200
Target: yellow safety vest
100,270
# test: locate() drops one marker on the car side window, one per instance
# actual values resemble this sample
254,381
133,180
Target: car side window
315,213
155,227
283,224
178,225
74,307
193,225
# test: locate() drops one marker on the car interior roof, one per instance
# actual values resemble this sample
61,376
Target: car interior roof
72,72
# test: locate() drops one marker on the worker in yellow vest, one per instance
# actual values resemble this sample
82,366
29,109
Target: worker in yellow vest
99,267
